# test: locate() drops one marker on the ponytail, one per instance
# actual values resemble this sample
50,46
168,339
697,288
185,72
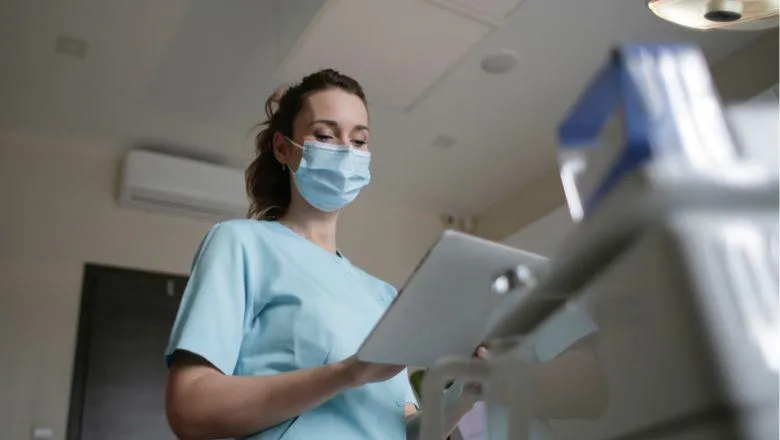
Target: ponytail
267,182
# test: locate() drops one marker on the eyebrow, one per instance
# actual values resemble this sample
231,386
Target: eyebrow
334,124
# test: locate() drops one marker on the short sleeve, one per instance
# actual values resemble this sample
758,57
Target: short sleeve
563,330
210,320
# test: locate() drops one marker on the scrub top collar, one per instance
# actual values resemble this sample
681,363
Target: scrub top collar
338,255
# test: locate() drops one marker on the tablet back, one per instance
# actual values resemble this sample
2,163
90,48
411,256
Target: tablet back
444,307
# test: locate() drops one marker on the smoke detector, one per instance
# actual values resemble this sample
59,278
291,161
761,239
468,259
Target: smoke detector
745,15
500,62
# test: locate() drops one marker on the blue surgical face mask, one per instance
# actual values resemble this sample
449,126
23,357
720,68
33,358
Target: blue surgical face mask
330,177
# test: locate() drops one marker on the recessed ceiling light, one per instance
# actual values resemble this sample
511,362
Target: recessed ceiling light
443,141
500,62
71,46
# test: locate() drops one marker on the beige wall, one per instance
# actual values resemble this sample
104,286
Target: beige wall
748,71
544,235
58,212
522,208
739,76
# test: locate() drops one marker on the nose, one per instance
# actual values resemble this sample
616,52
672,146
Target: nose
344,140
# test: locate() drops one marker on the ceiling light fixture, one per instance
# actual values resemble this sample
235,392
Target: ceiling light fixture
718,14
500,62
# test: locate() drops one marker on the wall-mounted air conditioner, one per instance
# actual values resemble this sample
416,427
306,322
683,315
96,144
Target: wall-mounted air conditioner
158,182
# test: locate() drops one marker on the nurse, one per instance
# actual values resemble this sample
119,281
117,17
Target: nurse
263,343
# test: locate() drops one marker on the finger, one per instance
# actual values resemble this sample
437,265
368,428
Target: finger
481,348
482,352
395,369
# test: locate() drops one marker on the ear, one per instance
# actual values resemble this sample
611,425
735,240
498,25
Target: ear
283,151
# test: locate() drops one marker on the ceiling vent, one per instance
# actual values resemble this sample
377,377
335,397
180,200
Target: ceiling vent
397,49
162,183
70,46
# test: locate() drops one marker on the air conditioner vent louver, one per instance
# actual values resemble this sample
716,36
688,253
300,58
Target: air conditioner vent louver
182,206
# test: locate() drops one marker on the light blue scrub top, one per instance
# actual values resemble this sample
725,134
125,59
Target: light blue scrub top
262,300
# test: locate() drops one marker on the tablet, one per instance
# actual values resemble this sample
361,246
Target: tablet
443,308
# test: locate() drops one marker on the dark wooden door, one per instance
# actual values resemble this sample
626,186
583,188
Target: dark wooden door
119,375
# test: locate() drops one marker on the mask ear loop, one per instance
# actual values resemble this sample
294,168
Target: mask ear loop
292,142
284,165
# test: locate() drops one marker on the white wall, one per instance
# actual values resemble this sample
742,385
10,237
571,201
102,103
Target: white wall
58,212
545,234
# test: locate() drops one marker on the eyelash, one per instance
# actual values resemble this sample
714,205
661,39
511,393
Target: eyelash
326,137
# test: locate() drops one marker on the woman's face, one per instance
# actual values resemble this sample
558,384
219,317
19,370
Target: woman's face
330,116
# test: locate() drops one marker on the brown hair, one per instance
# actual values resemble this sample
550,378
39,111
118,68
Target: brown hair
267,181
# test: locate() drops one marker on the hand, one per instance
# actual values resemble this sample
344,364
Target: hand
361,373
500,392
474,389
471,391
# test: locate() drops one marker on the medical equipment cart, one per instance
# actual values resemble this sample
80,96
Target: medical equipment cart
674,258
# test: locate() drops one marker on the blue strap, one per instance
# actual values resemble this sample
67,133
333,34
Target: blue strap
587,118
628,82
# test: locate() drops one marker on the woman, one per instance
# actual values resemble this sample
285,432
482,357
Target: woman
264,339
263,343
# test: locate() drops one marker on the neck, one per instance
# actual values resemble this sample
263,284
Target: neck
315,225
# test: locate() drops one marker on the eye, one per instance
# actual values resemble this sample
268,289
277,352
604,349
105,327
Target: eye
359,143
323,137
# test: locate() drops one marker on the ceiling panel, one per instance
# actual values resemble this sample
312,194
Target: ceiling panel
398,49
214,44
46,91
492,12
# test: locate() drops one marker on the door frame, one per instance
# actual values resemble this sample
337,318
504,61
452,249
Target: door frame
92,271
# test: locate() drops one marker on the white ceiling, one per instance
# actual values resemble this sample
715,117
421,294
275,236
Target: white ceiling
193,76
403,65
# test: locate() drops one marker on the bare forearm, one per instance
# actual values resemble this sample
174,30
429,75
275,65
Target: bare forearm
214,405
570,386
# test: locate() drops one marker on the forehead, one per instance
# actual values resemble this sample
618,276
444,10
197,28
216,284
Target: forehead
336,105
